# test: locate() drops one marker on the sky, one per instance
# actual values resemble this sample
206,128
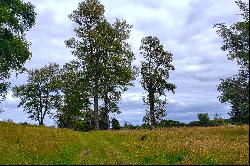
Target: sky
184,27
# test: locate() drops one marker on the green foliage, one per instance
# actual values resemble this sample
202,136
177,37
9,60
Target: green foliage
106,57
73,111
115,124
88,17
235,90
170,123
128,125
40,94
155,73
203,119
16,18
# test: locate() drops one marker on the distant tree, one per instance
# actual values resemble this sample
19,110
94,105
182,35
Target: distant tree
128,125
170,123
106,57
203,119
235,90
115,124
155,73
217,116
194,123
217,121
40,94
16,18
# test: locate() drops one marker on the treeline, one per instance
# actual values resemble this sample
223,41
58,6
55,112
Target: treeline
85,91
203,120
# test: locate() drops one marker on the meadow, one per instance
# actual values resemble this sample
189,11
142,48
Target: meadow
26,144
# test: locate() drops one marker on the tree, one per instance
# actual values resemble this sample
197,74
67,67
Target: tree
88,16
217,121
75,104
40,94
155,73
105,55
217,116
117,68
16,18
235,90
203,119
115,124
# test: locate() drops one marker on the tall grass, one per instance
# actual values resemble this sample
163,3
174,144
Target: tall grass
24,144
21,144
197,145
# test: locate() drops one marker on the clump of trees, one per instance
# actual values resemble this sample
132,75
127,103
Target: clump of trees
105,56
83,92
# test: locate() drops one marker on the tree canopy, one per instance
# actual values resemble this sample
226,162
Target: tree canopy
235,89
155,73
16,18
40,94
104,53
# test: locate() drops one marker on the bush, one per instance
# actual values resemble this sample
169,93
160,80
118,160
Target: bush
115,124
203,119
170,123
24,123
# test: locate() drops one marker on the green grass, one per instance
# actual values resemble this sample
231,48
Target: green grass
21,144
198,145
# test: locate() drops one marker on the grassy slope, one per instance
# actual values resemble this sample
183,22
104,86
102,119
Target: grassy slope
41,145
21,144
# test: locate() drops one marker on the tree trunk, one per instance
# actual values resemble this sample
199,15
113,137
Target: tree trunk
96,113
106,111
46,106
40,113
41,122
151,111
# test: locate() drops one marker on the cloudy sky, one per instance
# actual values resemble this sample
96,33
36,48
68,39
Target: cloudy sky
184,27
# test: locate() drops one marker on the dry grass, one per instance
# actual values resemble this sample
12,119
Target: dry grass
198,145
21,144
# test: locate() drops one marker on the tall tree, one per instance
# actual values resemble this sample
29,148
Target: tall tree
155,73
102,49
235,90
16,18
117,68
75,104
88,16
40,94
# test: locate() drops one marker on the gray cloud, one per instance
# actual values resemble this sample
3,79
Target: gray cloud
185,27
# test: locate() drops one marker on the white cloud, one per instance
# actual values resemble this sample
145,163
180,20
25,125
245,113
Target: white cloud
129,96
185,27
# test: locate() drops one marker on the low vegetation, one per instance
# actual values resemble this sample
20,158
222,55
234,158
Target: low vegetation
26,144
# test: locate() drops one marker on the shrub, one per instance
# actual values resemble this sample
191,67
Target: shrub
115,124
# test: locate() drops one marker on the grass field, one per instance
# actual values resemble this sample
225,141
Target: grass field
20,144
